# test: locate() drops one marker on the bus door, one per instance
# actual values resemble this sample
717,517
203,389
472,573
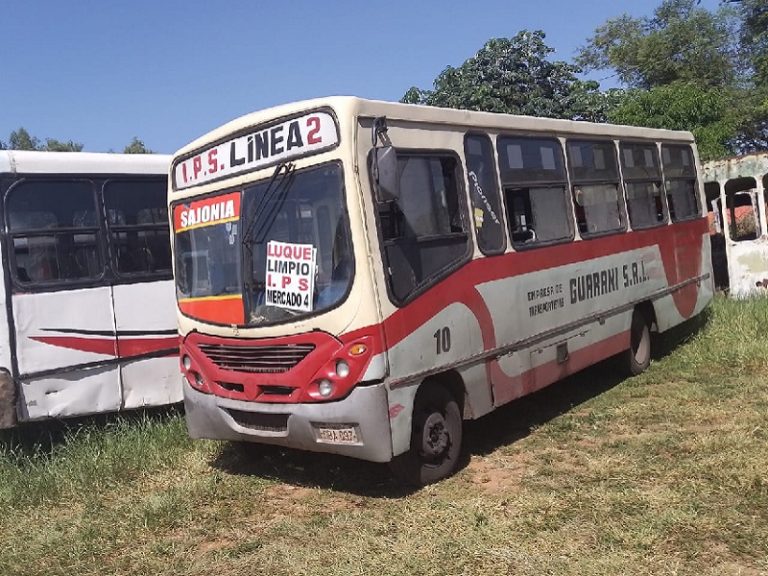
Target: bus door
64,330
747,250
143,294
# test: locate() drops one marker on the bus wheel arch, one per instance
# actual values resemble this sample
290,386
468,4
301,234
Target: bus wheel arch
436,432
638,355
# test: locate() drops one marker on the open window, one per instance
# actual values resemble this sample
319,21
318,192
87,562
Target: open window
534,182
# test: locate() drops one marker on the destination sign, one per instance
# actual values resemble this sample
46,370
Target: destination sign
276,143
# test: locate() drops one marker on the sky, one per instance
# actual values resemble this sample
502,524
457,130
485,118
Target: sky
102,72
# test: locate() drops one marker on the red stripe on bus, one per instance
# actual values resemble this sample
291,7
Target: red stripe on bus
507,388
122,348
680,248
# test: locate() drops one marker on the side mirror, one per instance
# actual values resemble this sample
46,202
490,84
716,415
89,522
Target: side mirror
385,171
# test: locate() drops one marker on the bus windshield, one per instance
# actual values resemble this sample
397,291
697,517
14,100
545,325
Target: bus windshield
288,254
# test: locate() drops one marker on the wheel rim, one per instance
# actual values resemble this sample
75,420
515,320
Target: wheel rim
435,437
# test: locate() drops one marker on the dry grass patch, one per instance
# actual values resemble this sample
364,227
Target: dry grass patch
665,473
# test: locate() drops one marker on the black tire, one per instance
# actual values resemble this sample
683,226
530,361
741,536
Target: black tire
638,357
436,434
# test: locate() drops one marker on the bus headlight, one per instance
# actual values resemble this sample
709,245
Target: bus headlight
342,369
187,362
325,388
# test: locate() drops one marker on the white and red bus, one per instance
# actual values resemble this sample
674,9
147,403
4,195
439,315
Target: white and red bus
357,277
87,313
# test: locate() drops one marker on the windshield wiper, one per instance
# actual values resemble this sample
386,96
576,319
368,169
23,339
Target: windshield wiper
279,184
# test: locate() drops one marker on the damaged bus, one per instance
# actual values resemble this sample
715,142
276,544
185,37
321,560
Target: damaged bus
87,316
359,277
738,233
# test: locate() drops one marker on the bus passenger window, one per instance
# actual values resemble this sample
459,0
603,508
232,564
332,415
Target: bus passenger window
484,194
533,176
54,231
642,184
137,217
680,181
424,231
537,215
596,193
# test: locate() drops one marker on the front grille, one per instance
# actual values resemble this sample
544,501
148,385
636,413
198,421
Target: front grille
256,359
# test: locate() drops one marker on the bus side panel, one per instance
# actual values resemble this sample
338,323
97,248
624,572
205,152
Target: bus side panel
74,392
450,336
148,344
66,352
668,308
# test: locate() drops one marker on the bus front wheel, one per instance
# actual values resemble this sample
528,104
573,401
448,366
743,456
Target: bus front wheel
639,353
435,439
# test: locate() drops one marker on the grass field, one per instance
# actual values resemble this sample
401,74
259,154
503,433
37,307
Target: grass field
665,473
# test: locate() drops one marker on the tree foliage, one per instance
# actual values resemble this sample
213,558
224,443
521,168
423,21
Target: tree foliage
709,114
22,140
137,147
690,68
681,42
753,39
515,76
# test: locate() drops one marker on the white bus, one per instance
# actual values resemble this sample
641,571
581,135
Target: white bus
87,319
357,277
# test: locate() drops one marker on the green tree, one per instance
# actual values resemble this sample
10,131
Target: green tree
22,140
682,42
53,145
753,38
137,147
515,76
709,114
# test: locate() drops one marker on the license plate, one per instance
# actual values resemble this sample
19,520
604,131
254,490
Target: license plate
345,435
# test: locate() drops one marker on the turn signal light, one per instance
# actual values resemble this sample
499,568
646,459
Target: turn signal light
358,349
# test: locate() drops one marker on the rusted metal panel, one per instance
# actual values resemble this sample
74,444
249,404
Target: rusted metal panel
739,222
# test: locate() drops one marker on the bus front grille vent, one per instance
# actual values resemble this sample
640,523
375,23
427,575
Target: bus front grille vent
256,359
260,422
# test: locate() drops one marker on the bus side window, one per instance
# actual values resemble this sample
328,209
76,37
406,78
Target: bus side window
137,218
537,215
484,193
533,176
642,184
596,192
54,231
680,181
424,231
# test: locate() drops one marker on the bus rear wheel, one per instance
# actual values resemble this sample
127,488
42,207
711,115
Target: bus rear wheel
436,435
638,357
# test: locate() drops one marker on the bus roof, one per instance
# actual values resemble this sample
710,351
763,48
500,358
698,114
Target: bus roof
351,106
28,162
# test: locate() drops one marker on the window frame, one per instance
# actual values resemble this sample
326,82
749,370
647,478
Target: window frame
662,187
694,177
497,191
536,184
574,182
111,231
462,198
19,286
